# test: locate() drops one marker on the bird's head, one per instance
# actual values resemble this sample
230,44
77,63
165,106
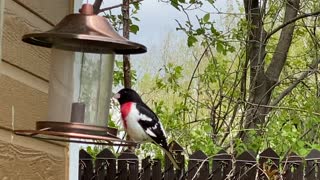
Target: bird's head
127,95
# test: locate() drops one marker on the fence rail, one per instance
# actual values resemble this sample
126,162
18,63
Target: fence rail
221,166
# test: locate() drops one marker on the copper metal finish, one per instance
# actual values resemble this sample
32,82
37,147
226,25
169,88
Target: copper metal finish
85,32
75,132
76,128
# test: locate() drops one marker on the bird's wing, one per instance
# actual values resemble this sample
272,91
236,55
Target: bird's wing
151,125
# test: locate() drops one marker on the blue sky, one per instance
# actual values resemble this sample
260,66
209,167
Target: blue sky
157,19
157,22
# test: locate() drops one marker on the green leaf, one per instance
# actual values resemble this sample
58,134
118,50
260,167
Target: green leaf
206,18
135,18
175,4
191,40
136,5
220,47
200,31
134,28
111,124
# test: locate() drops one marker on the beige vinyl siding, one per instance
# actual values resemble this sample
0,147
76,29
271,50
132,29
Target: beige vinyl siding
17,22
50,11
30,159
24,82
1,24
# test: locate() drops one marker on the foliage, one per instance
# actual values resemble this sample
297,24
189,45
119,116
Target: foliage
203,104
116,19
203,94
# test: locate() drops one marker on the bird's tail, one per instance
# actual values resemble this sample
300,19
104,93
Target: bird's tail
172,159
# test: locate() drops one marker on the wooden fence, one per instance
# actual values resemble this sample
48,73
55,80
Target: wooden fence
246,166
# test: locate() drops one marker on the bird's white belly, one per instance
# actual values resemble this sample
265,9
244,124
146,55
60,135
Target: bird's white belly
134,130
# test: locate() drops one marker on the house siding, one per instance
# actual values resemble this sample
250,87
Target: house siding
24,78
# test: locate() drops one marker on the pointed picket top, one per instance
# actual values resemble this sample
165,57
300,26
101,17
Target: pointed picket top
269,154
174,146
313,155
146,163
127,155
106,154
198,167
198,155
105,165
85,165
128,165
222,155
293,157
147,159
247,156
83,155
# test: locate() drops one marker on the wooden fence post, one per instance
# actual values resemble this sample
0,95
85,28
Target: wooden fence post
246,166
221,165
105,165
312,165
169,170
85,165
293,167
128,166
156,170
269,165
198,167
145,171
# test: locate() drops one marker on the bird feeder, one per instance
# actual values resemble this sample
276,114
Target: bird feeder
83,52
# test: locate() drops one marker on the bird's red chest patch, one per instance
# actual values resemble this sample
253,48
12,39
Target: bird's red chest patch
125,109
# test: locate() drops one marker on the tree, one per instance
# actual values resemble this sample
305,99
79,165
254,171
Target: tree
241,83
266,40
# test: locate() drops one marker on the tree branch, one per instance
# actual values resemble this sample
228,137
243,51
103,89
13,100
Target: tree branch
116,6
289,22
126,34
280,56
96,6
311,71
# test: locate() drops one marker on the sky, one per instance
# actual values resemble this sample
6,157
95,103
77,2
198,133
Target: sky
157,19
157,23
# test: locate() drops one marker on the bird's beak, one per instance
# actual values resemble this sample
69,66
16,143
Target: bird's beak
116,96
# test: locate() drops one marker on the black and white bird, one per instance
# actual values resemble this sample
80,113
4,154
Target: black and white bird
140,122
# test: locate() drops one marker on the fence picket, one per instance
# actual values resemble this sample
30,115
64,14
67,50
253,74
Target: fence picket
269,165
312,165
178,152
198,167
85,165
156,170
246,166
293,167
128,166
318,167
146,169
105,165
221,165
168,169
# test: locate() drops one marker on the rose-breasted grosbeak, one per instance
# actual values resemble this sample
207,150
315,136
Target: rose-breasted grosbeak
140,122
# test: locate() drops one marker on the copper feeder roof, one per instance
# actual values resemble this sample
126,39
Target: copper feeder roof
85,32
